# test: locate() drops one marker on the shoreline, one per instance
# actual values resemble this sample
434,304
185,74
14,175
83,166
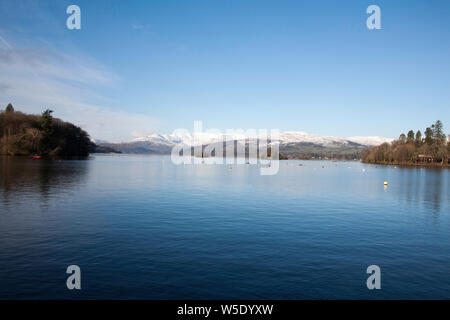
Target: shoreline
408,164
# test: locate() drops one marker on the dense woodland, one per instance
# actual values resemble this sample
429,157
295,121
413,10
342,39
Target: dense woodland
431,148
26,134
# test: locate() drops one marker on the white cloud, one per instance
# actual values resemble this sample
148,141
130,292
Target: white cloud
34,79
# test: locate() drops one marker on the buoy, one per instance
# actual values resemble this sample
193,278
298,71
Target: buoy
385,183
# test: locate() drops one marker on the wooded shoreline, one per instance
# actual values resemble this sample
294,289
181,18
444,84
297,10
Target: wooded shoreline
412,149
408,164
41,135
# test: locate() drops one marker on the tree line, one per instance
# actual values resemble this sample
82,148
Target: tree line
44,135
432,147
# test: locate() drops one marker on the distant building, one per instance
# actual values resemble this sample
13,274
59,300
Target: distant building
424,158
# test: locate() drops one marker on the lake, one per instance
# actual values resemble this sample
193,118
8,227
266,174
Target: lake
141,227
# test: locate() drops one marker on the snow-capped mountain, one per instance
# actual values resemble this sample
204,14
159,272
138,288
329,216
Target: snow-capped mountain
290,137
292,144
370,141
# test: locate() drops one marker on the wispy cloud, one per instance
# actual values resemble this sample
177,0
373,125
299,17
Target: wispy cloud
53,65
34,79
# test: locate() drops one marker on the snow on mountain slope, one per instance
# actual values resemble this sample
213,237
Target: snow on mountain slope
285,138
370,141
172,139
155,138
296,137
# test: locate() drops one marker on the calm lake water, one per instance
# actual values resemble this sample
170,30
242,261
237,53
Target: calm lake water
141,227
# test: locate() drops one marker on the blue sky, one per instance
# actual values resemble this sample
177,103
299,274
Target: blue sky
137,67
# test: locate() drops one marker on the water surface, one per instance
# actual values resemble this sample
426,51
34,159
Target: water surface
141,227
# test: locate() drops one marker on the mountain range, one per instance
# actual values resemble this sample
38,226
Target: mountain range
293,144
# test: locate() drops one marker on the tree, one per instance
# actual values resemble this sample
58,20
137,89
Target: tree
410,137
438,147
429,136
438,132
46,126
419,137
35,137
402,138
46,122
9,108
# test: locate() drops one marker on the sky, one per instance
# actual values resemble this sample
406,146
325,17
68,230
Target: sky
141,67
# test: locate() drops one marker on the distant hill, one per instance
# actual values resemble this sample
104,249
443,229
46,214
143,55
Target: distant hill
95,148
146,147
294,145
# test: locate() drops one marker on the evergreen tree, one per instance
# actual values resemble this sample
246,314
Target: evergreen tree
418,137
438,132
402,138
46,122
410,137
9,108
46,126
429,136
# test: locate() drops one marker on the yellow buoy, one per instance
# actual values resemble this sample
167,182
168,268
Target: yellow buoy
385,183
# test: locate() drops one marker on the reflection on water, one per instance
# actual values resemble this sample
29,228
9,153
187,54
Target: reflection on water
22,177
432,189
141,227
423,186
